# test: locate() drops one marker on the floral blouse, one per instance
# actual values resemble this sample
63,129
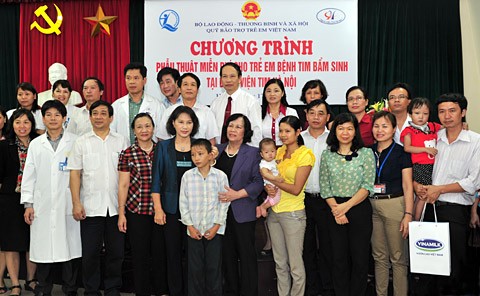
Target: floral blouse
342,178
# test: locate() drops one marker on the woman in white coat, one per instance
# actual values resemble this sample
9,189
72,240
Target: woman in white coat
54,234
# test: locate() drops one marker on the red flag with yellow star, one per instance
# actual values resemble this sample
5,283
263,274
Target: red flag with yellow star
91,38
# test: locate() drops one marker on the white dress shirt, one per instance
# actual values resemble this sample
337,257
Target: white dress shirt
71,109
398,132
267,125
79,123
98,161
317,146
458,162
242,102
207,126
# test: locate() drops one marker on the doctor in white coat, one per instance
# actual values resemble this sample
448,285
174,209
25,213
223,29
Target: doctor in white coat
136,101
54,234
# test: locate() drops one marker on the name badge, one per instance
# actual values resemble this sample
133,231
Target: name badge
62,165
380,188
184,164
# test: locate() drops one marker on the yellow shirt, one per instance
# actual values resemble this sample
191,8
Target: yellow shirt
287,168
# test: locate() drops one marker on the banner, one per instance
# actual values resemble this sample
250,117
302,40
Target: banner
295,41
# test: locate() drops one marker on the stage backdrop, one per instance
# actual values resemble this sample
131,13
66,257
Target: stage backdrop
295,41
103,56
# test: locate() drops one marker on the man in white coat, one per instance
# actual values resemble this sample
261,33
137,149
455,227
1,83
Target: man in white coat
54,234
136,101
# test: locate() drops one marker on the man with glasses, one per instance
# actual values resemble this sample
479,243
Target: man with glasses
399,96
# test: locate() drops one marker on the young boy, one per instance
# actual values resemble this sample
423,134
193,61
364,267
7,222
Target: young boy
205,218
268,166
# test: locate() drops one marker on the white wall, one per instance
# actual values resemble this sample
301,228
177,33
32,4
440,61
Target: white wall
470,24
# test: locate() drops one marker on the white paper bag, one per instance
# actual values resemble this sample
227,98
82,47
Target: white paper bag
429,246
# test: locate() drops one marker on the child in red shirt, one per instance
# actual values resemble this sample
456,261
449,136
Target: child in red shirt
420,139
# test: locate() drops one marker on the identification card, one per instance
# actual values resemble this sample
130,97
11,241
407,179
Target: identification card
380,188
62,165
184,164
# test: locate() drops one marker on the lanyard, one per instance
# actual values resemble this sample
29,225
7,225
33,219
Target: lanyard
379,169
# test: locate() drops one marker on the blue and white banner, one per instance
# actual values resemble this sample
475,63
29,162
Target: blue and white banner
295,41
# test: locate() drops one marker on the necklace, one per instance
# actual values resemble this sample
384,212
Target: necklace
147,150
181,147
231,155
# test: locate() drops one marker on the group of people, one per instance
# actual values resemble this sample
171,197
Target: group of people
180,179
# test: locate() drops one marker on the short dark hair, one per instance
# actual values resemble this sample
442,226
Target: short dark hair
55,105
202,143
5,128
266,141
360,88
332,140
417,103
63,83
98,81
140,115
385,114
101,103
247,127
19,113
316,103
234,65
459,99
136,66
184,75
401,85
296,124
27,86
168,71
313,84
283,100
176,113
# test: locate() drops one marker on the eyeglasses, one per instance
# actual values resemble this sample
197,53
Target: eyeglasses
399,97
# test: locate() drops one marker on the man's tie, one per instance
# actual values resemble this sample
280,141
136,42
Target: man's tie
228,111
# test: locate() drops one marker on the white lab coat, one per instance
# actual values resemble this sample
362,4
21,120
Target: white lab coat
54,234
121,123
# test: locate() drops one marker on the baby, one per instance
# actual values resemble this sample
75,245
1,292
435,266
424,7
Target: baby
268,167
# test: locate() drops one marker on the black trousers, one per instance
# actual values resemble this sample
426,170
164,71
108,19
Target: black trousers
239,243
205,266
461,279
69,276
149,260
175,233
97,232
317,247
351,249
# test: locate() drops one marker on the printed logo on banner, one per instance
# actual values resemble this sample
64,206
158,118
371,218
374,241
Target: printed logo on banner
169,20
331,16
251,10
429,245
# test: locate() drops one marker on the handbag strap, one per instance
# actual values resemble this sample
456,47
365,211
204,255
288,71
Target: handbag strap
434,212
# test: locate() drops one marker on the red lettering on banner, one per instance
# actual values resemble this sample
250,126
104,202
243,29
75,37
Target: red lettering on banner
228,47
288,47
339,66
